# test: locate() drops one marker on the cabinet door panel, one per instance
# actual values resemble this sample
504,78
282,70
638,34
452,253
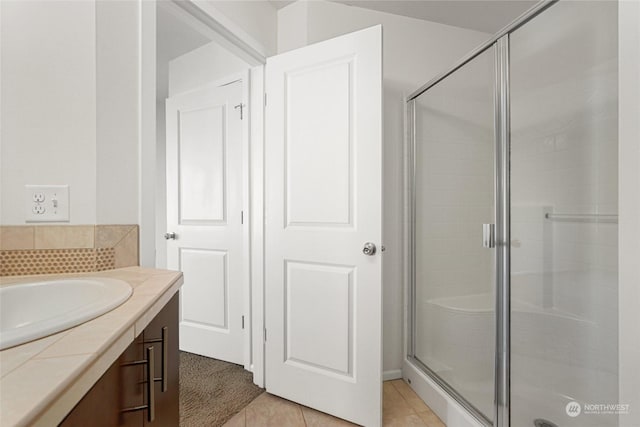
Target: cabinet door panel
131,385
119,387
167,402
124,384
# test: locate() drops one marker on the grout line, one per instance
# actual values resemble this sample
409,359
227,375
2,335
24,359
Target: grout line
62,335
132,228
58,356
304,420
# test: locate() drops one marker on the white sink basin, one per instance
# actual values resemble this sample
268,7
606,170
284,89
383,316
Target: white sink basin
34,310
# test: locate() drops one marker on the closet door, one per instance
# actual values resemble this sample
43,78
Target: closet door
205,217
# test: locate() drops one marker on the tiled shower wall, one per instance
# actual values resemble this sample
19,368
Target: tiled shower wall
52,249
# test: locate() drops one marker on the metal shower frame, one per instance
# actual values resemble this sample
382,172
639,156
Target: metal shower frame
500,43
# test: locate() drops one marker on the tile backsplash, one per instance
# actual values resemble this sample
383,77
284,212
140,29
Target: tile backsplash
52,249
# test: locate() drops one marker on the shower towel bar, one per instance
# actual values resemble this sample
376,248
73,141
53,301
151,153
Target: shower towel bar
612,218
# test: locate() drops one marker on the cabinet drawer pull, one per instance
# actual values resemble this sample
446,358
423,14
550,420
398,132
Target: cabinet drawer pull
150,383
151,413
165,357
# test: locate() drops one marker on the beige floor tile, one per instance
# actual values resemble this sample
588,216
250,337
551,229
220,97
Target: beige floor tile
393,404
399,410
315,418
271,411
410,396
406,421
431,419
238,420
390,394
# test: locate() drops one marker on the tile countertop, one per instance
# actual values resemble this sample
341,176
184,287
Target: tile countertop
41,381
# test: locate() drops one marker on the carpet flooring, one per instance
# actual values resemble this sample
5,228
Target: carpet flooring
212,391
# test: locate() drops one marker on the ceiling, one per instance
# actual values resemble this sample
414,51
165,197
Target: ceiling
487,16
174,36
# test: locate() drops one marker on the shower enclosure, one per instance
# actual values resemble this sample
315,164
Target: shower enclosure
513,224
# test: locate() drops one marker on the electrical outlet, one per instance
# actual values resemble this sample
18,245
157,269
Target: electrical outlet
38,209
47,203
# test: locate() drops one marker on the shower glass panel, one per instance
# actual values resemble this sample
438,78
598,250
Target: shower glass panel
564,205
454,276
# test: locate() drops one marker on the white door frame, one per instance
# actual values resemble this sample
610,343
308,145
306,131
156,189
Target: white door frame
204,18
246,211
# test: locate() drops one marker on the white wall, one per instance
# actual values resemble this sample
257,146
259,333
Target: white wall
48,104
293,23
117,112
257,18
202,66
147,128
69,107
161,186
629,194
413,52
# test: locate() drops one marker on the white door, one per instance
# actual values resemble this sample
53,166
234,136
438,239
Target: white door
323,176
204,204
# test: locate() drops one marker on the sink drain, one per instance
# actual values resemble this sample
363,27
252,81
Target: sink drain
539,422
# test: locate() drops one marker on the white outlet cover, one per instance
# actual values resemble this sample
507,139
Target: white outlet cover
54,207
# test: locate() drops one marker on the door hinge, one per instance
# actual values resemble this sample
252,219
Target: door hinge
265,335
241,107
265,99
241,217
243,322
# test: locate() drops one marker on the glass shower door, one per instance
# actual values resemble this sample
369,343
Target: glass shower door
453,274
564,204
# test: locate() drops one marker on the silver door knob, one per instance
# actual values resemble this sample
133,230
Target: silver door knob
369,249
170,236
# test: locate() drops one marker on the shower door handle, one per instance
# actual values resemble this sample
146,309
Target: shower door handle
489,235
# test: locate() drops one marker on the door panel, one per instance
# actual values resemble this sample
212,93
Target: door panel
323,201
202,171
204,209
319,315
454,275
315,197
206,305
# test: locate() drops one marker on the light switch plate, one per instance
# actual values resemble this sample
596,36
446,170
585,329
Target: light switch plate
47,203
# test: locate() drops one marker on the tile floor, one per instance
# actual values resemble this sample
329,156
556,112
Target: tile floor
401,408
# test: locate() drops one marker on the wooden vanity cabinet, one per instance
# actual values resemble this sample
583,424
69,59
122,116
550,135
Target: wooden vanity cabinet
167,401
120,397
